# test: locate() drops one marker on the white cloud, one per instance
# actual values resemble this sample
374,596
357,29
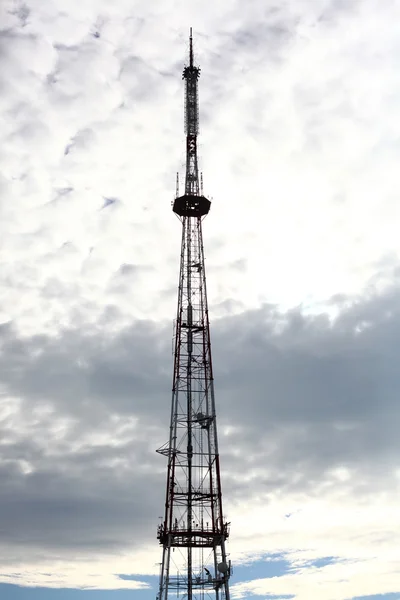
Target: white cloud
298,148
360,537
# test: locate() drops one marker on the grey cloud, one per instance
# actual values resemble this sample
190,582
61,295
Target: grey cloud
76,368
306,395
82,504
319,395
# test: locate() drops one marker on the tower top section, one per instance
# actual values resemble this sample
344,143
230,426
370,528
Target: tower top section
191,71
192,203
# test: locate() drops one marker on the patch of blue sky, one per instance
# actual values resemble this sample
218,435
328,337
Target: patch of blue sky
15,592
275,565
324,561
271,565
394,596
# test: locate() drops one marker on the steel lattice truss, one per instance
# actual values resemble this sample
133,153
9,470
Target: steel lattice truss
193,533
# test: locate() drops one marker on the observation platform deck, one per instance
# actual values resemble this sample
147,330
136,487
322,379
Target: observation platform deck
197,536
191,206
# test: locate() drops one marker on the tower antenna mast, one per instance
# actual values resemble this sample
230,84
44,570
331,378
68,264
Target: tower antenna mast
193,532
191,48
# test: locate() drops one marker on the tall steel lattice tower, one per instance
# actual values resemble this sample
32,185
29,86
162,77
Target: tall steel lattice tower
193,533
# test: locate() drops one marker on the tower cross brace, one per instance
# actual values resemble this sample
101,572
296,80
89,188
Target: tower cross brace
193,531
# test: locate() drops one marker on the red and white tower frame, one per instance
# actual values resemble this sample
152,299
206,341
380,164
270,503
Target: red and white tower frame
193,533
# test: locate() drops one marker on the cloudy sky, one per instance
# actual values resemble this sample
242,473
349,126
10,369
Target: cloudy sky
300,147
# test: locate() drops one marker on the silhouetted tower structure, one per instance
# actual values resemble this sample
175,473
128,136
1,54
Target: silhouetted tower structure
193,532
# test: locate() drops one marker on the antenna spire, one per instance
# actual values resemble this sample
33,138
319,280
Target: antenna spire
191,75
191,48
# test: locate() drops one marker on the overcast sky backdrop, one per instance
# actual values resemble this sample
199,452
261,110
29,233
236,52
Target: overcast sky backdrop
300,149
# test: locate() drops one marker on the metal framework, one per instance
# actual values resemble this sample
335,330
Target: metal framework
193,533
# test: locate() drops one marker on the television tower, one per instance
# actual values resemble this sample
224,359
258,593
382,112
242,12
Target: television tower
193,532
